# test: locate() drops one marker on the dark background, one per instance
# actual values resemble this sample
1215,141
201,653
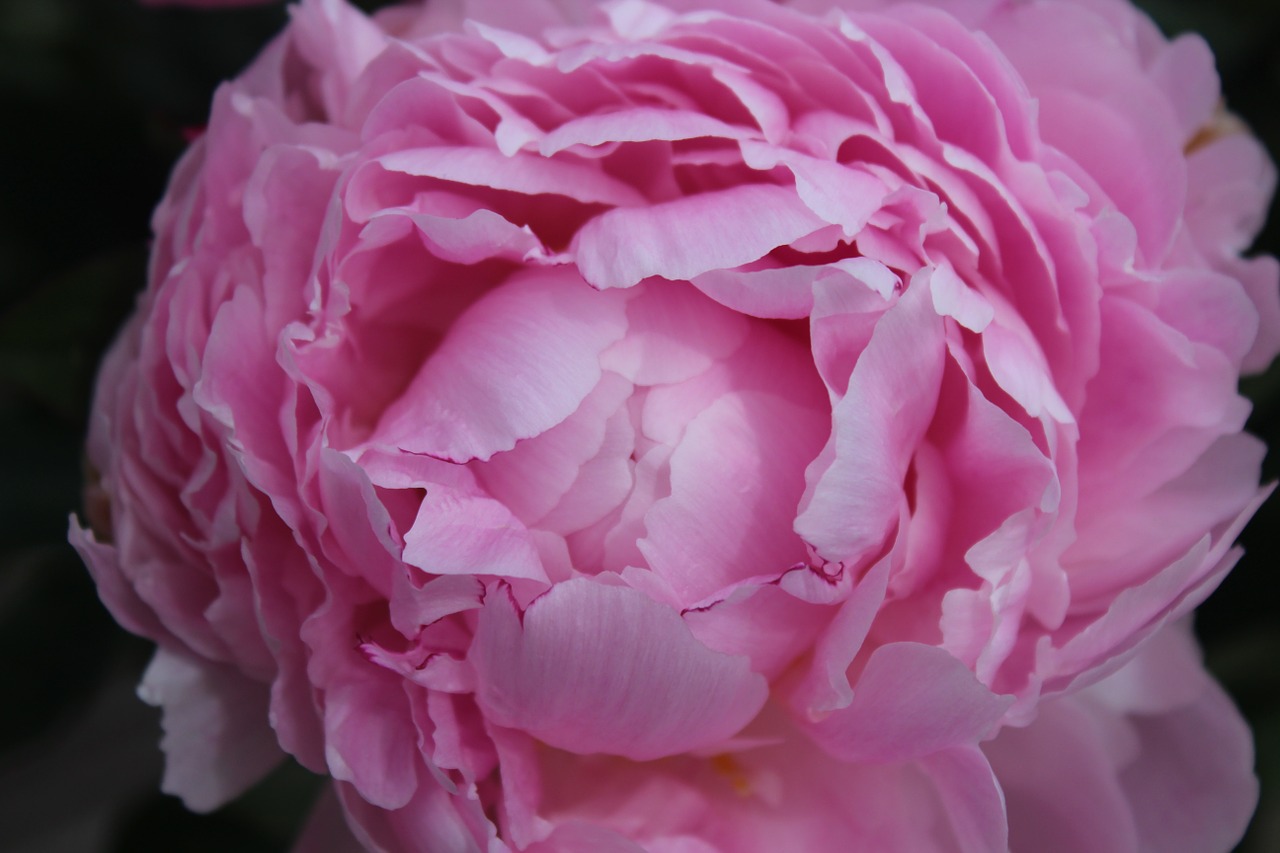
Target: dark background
95,96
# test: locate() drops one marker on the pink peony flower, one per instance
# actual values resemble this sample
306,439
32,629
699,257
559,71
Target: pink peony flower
700,425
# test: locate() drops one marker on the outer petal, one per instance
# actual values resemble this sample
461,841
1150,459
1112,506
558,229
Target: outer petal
1059,782
1192,785
217,742
1153,758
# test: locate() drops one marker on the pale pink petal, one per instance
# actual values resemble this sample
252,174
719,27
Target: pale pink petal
1184,70
971,797
1136,613
434,820
1137,536
533,477
369,740
216,739
852,505
1193,786
459,533
521,173
1097,106
1020,369
637,124
287,592
1210,308
1261,280
783,794
295,183
911,700
953,298
339,39
782,293
673,334
478,236
825,687
735,484
837,193
1230,181
1154,757
114,589
241,387
603,482
1060,785
596,668
764,623
414,605
478,394
682,239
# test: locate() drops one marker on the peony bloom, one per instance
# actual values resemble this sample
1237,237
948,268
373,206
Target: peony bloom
699,425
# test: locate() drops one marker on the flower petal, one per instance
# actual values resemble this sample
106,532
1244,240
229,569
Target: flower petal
596,668
912,700
479,392
684,238
216,740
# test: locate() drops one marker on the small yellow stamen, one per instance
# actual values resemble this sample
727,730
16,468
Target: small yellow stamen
1223,123
728,767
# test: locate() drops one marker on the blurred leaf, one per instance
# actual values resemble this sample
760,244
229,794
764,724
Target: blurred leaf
64,789
265,819
58,637
277,804
40,469
163,825
49,342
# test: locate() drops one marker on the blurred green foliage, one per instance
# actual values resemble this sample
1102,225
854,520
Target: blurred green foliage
96,96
